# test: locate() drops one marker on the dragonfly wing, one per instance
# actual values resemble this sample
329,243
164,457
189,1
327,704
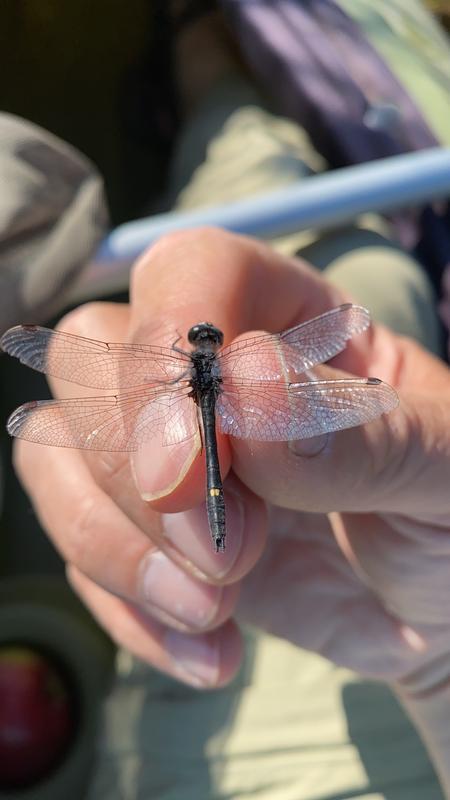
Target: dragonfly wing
320,339
100,365
119,422
273,356
266,411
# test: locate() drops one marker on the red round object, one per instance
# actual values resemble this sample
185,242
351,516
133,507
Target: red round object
36,716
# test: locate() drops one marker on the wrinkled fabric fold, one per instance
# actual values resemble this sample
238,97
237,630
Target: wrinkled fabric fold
52,215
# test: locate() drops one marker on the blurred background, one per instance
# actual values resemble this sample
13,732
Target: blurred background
99,76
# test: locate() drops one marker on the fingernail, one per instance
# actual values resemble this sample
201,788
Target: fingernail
309,447
188,533
168,592
158,469
196,658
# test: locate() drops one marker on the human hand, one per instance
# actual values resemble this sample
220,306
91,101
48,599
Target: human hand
367,591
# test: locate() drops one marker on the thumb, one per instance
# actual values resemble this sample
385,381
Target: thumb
397,463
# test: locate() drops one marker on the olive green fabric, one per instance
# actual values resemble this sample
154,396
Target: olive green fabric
417,50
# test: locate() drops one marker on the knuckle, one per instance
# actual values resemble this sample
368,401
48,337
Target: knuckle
83,527
110,469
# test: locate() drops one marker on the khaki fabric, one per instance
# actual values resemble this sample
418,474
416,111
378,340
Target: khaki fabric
290,727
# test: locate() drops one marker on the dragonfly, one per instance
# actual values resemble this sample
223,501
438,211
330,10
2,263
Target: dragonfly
258,388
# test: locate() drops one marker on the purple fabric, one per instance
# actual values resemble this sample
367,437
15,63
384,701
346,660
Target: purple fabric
322,71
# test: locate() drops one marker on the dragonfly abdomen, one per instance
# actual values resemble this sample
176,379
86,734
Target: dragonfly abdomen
215,503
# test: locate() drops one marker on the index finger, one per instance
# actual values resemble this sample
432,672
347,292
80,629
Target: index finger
234,282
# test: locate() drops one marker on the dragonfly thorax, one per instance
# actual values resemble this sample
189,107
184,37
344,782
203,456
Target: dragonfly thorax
205,371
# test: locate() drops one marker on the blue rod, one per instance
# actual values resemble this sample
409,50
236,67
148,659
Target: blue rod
325,200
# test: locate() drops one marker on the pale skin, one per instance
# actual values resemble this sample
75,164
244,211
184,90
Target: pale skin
367,586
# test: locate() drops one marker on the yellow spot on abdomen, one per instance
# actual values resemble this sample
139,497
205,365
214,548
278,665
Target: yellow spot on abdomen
214,492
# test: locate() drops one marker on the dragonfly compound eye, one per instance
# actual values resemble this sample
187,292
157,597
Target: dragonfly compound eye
205,332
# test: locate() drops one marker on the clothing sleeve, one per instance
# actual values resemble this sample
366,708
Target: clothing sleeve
52,215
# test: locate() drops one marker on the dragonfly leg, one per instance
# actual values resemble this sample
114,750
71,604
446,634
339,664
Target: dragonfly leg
179,349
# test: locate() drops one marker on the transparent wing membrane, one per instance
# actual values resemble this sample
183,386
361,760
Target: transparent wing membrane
298,349
88,362
279,412
121,422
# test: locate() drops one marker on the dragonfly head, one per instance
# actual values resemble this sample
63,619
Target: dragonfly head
205,336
